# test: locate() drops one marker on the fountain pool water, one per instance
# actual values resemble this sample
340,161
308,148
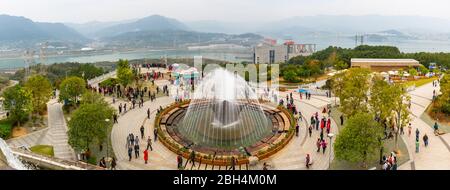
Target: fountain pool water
224,118
225,113
10,158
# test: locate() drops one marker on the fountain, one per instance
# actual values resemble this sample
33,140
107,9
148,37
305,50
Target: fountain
224,118
224,112
10,158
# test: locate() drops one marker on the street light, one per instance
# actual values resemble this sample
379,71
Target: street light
330,135
107,138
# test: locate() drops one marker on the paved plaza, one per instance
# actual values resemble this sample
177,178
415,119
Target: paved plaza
291,157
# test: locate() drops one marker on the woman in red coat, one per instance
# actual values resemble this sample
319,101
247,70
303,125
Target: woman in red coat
145,156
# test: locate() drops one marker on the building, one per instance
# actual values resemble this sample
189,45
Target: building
383,65
268,53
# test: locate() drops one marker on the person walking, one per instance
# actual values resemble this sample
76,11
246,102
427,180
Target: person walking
113,163
328,125
313,122
417,134
132,139
148,113
130,152
324,146
146,156
342,119
232,163
155,134
297,129
149,143
192,158
136,150
409,130
142,131
136,140
179,161
425,140
308,161
318,144
115,118
436,128
310,131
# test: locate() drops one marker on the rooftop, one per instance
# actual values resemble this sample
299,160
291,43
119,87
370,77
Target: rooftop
356,60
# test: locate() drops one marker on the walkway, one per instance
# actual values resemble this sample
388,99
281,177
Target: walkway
160,158
55,134
437,155
292,157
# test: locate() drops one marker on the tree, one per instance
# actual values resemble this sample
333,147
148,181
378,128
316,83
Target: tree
71,88
423,70
340,65
18,102
93,98
354,89
41,91
390,103
443,101
381,98
88,125
124,73
290,76
359,140
413,72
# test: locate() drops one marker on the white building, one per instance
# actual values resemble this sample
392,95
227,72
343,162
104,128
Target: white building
276,53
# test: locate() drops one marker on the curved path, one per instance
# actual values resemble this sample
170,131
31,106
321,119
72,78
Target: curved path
437,155
292,157
160,158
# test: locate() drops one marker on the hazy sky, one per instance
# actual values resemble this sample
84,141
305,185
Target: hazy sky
224,10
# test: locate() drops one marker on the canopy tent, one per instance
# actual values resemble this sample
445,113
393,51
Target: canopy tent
302,90
186,73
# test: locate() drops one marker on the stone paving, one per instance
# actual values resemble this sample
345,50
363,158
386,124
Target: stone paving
292,157
160,158
437,155
55,134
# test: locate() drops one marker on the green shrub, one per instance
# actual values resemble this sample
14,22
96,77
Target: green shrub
92,160
446,108
5,129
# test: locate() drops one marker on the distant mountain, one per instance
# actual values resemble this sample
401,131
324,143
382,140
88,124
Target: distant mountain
223,27
179,38
90,29
23,31
363,24
388,36
151,23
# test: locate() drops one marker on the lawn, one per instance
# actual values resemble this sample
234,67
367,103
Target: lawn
420,82
45,150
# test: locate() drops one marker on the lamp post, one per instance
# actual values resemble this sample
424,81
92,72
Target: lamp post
330,135
107,138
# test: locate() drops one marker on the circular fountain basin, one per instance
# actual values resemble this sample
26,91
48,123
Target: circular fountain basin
279,120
